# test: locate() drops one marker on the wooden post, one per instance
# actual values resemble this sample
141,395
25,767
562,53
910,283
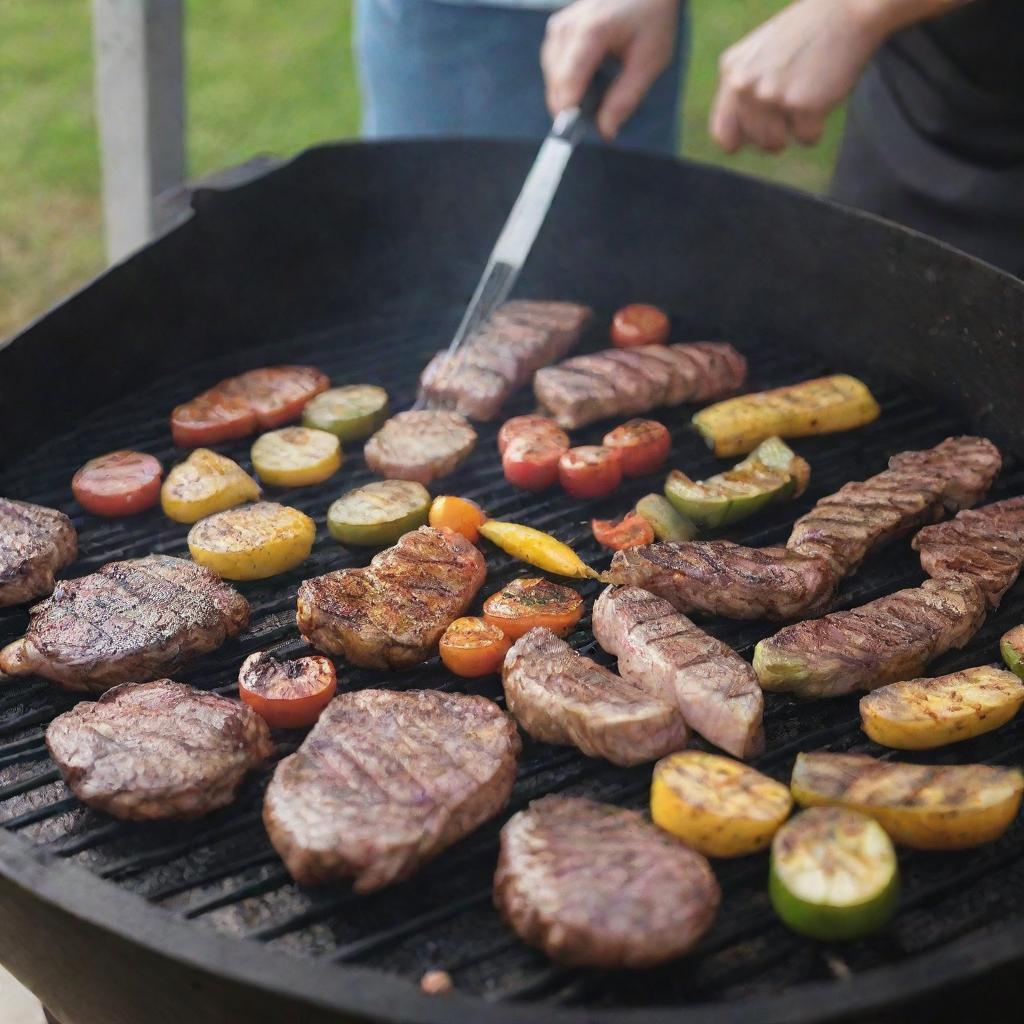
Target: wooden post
140,107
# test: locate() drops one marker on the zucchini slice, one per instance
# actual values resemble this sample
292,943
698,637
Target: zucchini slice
379,513
1012,649
667,523
351,413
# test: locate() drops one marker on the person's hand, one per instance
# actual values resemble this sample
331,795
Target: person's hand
640,33
781,81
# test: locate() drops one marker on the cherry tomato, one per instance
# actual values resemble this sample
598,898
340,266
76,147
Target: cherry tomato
276,394
287,694
642,446
471,647
590,471
523,604
531,428
118,484
210,418
630,531
639,325
532,466
458,514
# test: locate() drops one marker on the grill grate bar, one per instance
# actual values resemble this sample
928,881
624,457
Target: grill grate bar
14,789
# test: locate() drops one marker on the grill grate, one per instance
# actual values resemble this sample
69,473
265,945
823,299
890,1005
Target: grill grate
222,873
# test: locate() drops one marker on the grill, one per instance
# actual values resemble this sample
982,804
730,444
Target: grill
211,898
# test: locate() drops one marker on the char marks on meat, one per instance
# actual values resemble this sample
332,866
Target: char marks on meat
663,652
883,641
559,696
392,613
986,544
385,781
130,621
35,543
157,750
420,445
598,886
587,388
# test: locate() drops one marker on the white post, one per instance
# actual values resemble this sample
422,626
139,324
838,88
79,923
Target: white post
140,107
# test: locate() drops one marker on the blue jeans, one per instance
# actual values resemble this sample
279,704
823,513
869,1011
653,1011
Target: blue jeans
429,68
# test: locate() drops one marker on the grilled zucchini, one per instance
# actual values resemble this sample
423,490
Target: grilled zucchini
1012,649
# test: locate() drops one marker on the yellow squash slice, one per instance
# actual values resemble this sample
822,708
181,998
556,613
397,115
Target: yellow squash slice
296,457
203,484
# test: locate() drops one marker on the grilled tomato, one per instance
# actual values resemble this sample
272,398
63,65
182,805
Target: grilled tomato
118,484
631,531
211,418
472,647
458,514
642,446
639,324
203,484
296,457
590,471
530,448
287,694
276,394
525,603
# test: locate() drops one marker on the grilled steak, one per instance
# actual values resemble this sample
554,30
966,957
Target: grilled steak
35,543
502,355
598,886
560,696
392,613
157,750
723,578
129,621
421,445
385,781
883,641
986,544
918,488
663,652
586,388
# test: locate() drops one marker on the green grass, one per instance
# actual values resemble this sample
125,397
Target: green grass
269,77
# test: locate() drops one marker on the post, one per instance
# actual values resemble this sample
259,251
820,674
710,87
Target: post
140,107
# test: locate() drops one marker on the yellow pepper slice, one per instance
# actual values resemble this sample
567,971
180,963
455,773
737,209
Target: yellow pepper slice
296,457
536,548
203,484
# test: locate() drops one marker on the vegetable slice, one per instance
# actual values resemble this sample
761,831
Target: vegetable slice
296,457
719,806
590,471
458,514
120,483
211,418
531,428
351,413
252,542
639,324
379,513
471,647
833,874
642,446
203,484
536,548
1012,649
666,521
821,406
919,714
531,447
631,531
930,807
526,603
276,394
287,694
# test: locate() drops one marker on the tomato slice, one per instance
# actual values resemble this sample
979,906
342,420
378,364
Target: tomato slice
118,484
530,448
458,514
639,325
531,428
630,531
525,603
471,647
276,394
643,446
210,418
287,694
590,471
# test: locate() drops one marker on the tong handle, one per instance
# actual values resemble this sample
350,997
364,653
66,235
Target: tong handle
571,123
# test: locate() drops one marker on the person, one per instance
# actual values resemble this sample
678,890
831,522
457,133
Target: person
470,68
934,133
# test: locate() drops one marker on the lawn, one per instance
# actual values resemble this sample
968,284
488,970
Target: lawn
267,77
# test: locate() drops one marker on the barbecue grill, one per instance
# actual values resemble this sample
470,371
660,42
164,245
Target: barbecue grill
358,259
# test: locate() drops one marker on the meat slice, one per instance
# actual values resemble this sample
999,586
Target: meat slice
880,642
35,544
594,885
986,544
157,750
560,696
722,578
966,465
392,613
420,445
130,621
385,781
696,372
663,652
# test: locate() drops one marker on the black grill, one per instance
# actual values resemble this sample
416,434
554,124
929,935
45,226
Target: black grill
221,873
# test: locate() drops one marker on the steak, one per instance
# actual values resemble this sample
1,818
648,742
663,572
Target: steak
392,613
420,445
560,696
663,652
502,355
587,388
385,781
594,885
965,465
130,621
35,544
880,642
986,544
157,750
722,578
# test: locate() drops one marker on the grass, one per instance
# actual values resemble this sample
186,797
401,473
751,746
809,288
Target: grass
261,78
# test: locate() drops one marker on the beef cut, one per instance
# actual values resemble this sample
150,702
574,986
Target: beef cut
35,544
420,445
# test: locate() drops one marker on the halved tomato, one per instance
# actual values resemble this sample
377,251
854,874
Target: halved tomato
287,694
631,531
458,514
276,394
471,647
530,448
525,603
643,446
639,325
531,428
118,484
590,471
210,418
